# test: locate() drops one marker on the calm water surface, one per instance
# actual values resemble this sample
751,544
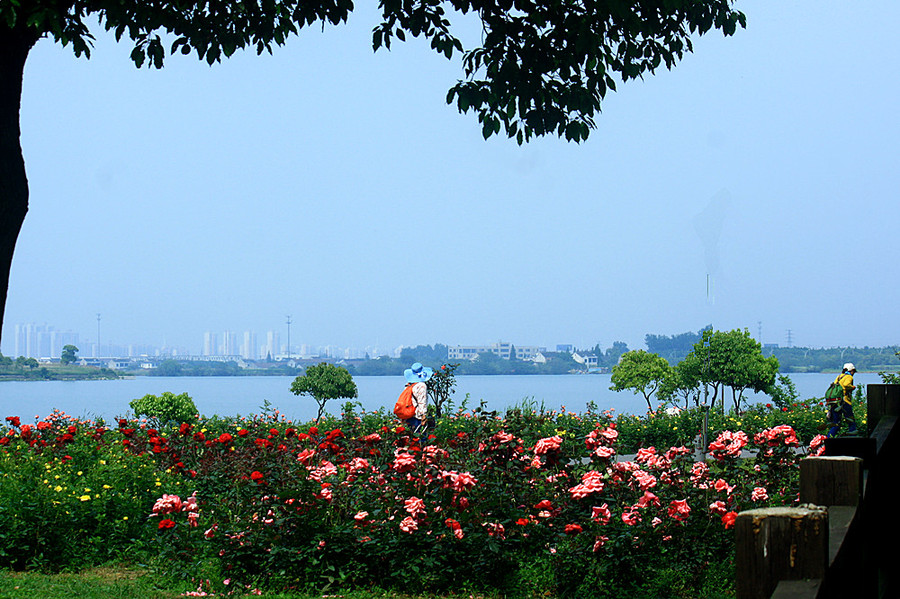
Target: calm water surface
230,396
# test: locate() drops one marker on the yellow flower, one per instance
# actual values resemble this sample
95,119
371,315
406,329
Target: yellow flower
158,484
85,498
124,517
79,473
103,462
57,488
107,487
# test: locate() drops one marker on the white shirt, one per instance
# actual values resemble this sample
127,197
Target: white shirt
420,400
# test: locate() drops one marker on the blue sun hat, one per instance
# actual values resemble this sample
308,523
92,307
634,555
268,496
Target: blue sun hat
417,373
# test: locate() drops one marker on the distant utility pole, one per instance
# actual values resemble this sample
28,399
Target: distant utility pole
98,334
759,331
789,339
289,335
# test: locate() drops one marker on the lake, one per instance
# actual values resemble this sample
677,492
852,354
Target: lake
230,396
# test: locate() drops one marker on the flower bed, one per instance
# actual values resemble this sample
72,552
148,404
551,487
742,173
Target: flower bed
524,504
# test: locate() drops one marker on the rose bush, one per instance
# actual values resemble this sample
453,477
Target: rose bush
529,502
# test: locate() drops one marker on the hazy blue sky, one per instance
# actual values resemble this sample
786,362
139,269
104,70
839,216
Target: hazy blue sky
335,185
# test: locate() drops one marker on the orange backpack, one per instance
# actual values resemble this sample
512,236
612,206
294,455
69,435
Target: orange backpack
405,409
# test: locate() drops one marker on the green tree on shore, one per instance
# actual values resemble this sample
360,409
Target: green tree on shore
323,382
641,372
731,359
69,355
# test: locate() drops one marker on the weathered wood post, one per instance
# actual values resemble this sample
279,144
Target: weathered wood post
881,400
831,480
881,577
779,543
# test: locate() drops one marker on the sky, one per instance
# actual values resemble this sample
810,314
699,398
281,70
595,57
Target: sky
753,186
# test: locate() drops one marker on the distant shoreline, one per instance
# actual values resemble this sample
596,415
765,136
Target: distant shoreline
75,378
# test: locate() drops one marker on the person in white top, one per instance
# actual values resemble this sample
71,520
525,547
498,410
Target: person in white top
417,375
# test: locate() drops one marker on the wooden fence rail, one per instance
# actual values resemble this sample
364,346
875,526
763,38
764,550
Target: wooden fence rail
843,540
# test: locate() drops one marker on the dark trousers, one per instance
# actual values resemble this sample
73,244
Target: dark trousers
837,412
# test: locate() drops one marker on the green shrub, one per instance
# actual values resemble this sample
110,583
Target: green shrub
166,408
72,495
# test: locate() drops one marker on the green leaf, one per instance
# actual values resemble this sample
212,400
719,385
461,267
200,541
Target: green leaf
487,129
138,56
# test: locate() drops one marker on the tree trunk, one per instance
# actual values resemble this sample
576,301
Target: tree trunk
14,47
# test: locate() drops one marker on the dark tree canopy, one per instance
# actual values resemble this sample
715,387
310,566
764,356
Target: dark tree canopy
541,67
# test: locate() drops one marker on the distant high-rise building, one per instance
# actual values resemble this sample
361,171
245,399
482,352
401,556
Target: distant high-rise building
210,344
229,343
19,341
39,341
59,339
273,344
249,348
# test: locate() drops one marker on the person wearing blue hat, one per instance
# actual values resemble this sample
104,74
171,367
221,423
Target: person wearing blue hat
417,375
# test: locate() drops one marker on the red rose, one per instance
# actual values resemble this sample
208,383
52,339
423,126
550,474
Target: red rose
728,519
163,524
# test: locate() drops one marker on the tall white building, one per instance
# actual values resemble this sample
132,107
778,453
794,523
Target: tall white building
210,344
229,343
59,339
249,348
19,341
40,341
273,344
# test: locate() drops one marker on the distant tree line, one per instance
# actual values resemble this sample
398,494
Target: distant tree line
719,363
204,368
672,348
486,362
29,369
675,348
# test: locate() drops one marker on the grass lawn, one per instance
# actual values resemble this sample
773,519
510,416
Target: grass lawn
128,582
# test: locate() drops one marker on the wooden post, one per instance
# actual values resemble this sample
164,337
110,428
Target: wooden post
779,543
831,480
881,400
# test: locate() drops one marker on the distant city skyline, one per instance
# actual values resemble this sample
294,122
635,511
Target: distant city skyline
46,341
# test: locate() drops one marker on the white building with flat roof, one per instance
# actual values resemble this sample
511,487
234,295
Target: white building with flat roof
501,349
